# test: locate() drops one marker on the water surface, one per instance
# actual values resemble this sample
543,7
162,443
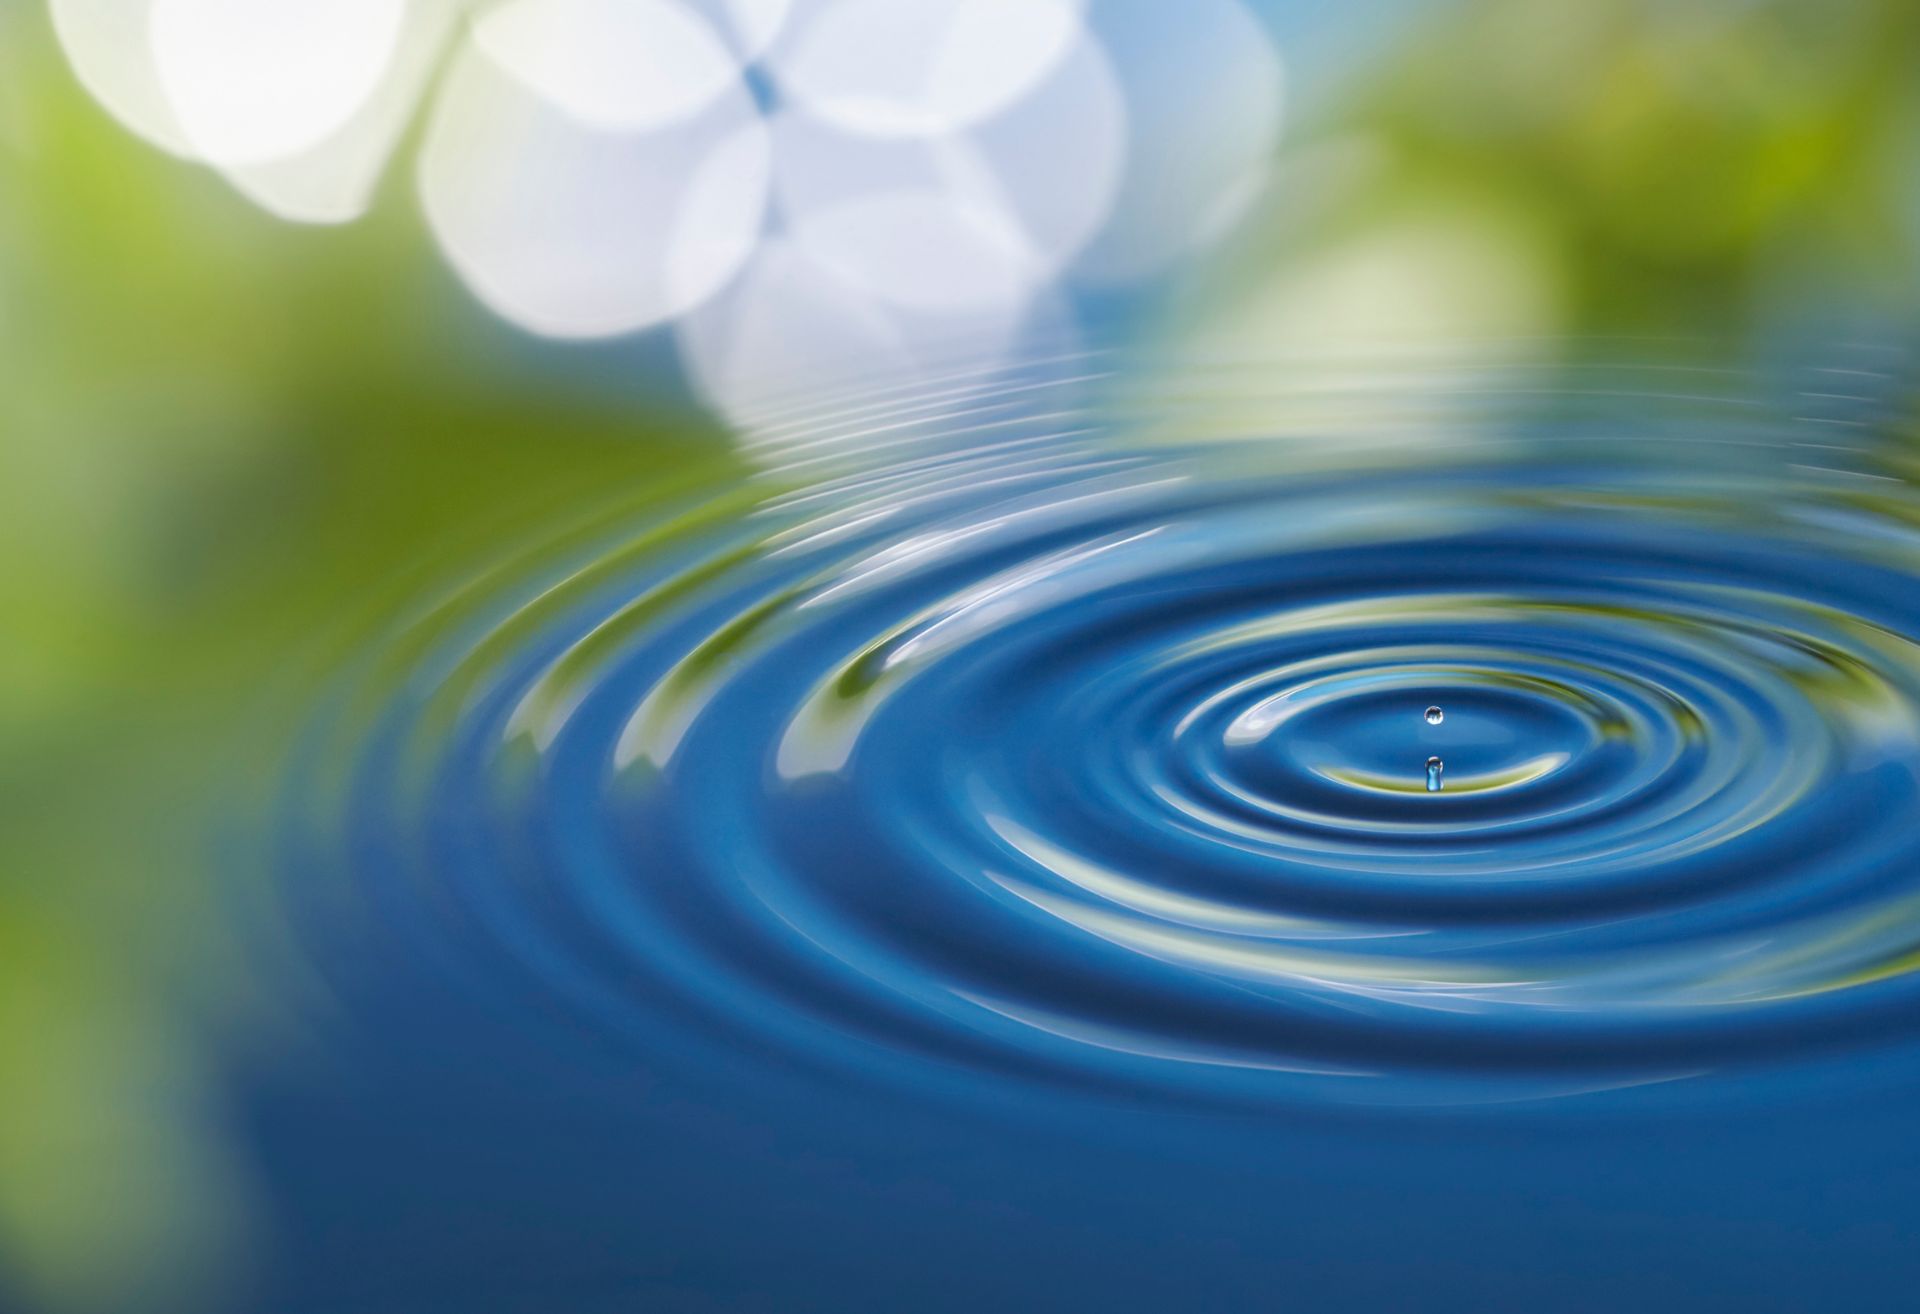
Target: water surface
1031,869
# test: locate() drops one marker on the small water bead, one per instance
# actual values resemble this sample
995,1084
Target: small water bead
1435,716
1435,767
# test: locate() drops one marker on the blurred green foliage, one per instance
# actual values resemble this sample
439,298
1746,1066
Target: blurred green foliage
1726,169
227,445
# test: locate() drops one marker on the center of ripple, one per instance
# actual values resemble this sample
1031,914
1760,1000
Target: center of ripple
1508,732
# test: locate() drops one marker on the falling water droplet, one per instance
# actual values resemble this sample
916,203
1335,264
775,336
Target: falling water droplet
1434,769
1435,716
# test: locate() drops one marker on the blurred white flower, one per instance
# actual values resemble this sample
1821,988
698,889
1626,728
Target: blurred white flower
817,191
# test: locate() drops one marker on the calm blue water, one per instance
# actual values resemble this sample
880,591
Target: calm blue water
1026,874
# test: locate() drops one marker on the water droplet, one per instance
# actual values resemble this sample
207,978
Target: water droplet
1434,769
1435,716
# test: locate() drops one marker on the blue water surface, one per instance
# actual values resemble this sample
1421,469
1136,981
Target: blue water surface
1003,874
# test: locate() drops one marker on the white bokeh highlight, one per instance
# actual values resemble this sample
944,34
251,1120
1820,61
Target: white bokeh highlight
334,180
613,64
789,325
251,82
750,26
575,230
1203,89
900,70
923,250
814,193
304,135
109,43
1042,174
790,333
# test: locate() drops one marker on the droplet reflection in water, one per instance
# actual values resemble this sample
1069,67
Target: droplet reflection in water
1435,716
1435,768
1087,764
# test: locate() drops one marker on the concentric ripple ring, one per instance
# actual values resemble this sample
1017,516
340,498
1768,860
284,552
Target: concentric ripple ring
1108,765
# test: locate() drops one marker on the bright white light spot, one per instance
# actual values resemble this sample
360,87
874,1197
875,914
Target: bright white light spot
753,23
973,222
788,326
925,250
575,232
617,64
792,331
333,182
251,81
1203,90
1038,178
106,42
818,167
1055,157
891,68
